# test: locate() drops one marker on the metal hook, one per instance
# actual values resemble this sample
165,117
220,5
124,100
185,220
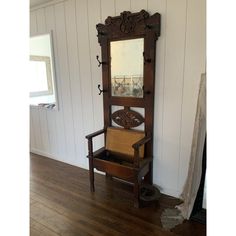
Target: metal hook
146,91
148,60
151,27
148,26
100,62
100,90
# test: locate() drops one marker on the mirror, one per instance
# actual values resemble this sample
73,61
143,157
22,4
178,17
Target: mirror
127,68
42,76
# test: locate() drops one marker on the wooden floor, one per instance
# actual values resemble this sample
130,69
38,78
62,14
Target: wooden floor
61,204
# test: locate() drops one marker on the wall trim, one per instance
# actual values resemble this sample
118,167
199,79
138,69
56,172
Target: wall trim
56,158
41,153
170,192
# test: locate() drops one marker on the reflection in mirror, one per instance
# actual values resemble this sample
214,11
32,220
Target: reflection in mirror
42,79
127,68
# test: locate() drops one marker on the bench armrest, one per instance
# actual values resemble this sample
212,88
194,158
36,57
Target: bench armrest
90,136
136,147
141,142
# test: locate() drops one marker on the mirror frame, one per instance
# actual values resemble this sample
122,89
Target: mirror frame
129,26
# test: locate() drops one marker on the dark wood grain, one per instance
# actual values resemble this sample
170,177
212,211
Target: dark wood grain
62,204
128,26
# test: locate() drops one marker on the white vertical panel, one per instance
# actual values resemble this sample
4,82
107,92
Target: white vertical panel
94,17
41,23
72,45
195,59
55,118
107,9
138,5
42,113
160,7
37,128
122,5
32,133
65,81
174,64
33,23
52,133
85,70
84,62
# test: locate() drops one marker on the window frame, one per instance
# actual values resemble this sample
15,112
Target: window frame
47,61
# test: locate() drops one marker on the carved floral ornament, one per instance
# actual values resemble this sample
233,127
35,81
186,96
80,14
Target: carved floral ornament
128,23
127,118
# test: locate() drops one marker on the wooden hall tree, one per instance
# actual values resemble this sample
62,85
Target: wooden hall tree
128,46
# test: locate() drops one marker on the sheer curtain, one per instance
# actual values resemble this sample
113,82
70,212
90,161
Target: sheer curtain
195,165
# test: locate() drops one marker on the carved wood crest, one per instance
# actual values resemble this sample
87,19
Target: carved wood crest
127,118
134,24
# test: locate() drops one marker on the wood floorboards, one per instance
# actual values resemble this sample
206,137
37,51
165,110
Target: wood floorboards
61,204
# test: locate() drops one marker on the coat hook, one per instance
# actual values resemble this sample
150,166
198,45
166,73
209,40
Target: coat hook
146,91
100,62
147,26
101,33
151,27
101,90
148,60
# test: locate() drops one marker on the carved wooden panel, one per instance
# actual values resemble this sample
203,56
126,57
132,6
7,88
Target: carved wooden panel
129,25
127,118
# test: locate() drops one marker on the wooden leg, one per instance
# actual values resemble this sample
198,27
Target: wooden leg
137,193
91,175
149,176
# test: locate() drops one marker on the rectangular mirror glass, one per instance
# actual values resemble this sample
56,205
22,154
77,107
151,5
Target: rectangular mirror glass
42,75
127,68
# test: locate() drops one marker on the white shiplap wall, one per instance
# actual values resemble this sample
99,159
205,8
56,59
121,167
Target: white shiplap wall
180,62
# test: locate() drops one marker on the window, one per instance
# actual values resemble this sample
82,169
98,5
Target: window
42,79
41,76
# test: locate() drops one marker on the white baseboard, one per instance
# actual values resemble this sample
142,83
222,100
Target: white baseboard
171,192
57,158
41,153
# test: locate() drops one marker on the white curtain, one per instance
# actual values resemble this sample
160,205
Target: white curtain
195,165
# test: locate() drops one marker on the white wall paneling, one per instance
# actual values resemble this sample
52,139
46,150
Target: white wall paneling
159,6
53,116
56,121
137,5
172,97
65,81
94,17
36,129
32,132
33,23
195,64
122,5
180,61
